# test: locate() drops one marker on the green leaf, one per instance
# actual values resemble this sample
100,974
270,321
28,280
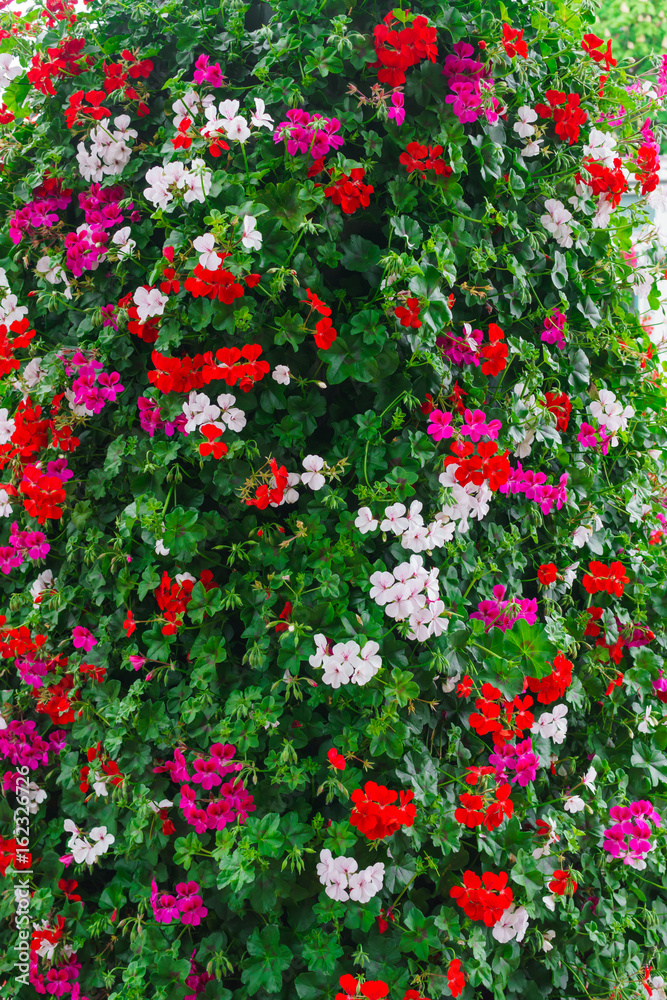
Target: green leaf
270,960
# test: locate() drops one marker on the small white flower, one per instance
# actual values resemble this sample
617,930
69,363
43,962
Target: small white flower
526,115
281,374
574,804
312,477
365,521
547,938
161,549
531,148
208,258
149,302
237,128
259,118
122,239
589,779
251,238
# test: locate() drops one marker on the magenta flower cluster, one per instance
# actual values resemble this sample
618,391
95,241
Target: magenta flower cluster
630,836
234,802
554,327
305,133
520,758
470,82
461,350
93,387
205,73
42,213
535,487
151,421
185,906
32,671
22,545
22,745
61,978
101,206
498,613
196,981
592,437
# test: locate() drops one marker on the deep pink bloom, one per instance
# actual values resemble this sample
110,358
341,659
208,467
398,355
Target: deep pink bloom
83,638
439,425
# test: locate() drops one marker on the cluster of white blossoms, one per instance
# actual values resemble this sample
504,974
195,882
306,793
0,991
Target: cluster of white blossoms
556,221
552,725
50,270
345,662
525,129
10,310
149,302
411,592
343,881
407,524
225,121
465,502
200,410
43,582
165,182
109,153
86,848
512,924
610,414
575,803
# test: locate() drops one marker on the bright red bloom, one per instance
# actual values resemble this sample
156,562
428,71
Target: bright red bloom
284,616
316,303
129,624
350,192
375,816
592,43
483,899
567,118
562,882
212,446
336,759
495,352
553,686
373,989
220,284
68,885
616,682
408,315
501,808
610,579
547,574
477,463
324,333
11,854
470,812
604,180
398,50
561,407
464,687
513,42
455,978
424,158
649,164
43,494
475,773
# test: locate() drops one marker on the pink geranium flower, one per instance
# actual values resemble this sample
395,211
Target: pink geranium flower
83,638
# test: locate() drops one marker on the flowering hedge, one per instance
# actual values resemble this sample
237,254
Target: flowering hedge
334,507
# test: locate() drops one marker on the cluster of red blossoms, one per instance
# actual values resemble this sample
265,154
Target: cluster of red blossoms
554,685
56,700
219,284
408,315
147,331
375,816
12,854
604,180
649,166
31,434
513,42
561,407
568,118
609,579
173,598
42,494
64,60
77,112
185,374
475,810
264,494
503,721
350,192
477,463
424,158
324,330
116,76
17,641
562,883
591,46
371,989
483,899
495,352
108,767
24,335
399,50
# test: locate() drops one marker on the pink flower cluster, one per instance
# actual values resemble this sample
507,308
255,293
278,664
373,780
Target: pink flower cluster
22,544
101,206
204,73
22,746
94,388
32,671
520,758
305,133
554,327
632,824
151,421
84,249
60,980
470,82
662,77
475,425
42,213
591,437
235,802
535,487
185,906
196,981
462,350
502,614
